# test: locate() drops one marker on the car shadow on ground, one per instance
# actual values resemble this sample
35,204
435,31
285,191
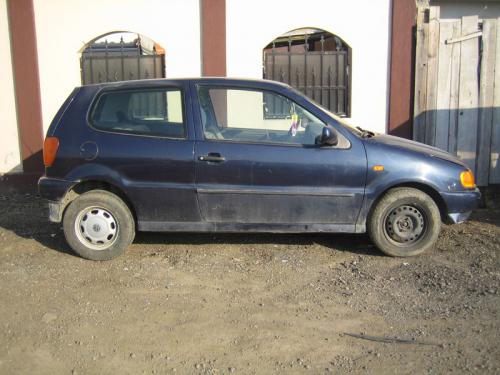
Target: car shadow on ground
354,243
53,238
26,215
486,216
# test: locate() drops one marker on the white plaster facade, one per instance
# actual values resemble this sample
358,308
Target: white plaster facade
363,24
64,27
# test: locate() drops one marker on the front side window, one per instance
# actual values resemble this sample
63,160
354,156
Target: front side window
242,115
145,112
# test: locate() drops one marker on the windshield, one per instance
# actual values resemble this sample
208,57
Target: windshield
341,120
356,130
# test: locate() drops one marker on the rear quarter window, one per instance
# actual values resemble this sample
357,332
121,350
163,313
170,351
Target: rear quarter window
156,112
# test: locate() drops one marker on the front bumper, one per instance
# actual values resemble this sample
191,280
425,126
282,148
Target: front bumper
461,204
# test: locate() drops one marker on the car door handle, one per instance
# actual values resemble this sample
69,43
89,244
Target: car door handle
213,157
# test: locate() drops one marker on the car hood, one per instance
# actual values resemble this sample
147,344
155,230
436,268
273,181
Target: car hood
417,147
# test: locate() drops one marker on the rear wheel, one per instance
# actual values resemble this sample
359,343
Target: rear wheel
405,222
98,225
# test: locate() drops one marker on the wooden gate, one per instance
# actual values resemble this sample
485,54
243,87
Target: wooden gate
457,89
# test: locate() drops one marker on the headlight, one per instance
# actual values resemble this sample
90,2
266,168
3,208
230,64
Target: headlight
467,179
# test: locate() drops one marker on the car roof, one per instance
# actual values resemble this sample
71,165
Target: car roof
198,80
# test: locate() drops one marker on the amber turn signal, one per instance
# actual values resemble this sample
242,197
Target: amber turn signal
467,179
50,147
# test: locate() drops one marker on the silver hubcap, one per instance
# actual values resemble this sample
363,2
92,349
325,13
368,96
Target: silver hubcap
405,224
96,228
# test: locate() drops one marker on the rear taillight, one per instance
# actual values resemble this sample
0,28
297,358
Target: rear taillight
50,147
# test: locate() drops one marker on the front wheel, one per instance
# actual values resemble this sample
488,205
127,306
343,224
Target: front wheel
98,225
405,222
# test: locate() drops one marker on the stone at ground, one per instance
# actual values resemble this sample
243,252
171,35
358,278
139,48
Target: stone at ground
246,303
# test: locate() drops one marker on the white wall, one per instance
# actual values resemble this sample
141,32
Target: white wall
10,157
458,9
363,24
63,27
245,109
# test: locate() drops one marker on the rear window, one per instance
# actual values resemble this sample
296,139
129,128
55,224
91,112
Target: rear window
157,112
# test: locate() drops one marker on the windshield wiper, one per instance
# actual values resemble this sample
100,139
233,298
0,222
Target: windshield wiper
365,133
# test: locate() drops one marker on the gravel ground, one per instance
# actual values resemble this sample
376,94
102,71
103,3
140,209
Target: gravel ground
249,303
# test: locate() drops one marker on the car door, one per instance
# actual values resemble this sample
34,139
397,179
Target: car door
145,142
254,168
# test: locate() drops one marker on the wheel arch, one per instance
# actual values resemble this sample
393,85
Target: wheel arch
428,189
95,184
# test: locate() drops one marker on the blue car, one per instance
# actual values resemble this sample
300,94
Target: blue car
233,155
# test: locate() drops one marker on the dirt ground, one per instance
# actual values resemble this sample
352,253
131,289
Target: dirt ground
250,303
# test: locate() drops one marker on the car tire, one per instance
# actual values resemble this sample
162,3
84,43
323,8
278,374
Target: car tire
98,225
405,222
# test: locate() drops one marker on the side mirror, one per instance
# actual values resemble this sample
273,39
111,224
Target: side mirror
328,137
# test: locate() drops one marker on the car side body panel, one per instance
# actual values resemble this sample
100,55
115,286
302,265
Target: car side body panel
284,185
155,173
260,187
404,166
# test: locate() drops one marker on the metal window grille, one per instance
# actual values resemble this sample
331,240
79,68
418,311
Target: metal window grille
320,73
109,62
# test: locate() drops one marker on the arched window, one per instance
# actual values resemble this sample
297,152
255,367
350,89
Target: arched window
315,62
121,56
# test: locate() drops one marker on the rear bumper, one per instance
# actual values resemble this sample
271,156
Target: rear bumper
56,210
460,205
54,190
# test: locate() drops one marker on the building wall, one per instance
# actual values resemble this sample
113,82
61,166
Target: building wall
10,156
63,27
245,110
456,9
363,24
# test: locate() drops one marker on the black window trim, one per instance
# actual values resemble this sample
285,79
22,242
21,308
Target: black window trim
105,90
